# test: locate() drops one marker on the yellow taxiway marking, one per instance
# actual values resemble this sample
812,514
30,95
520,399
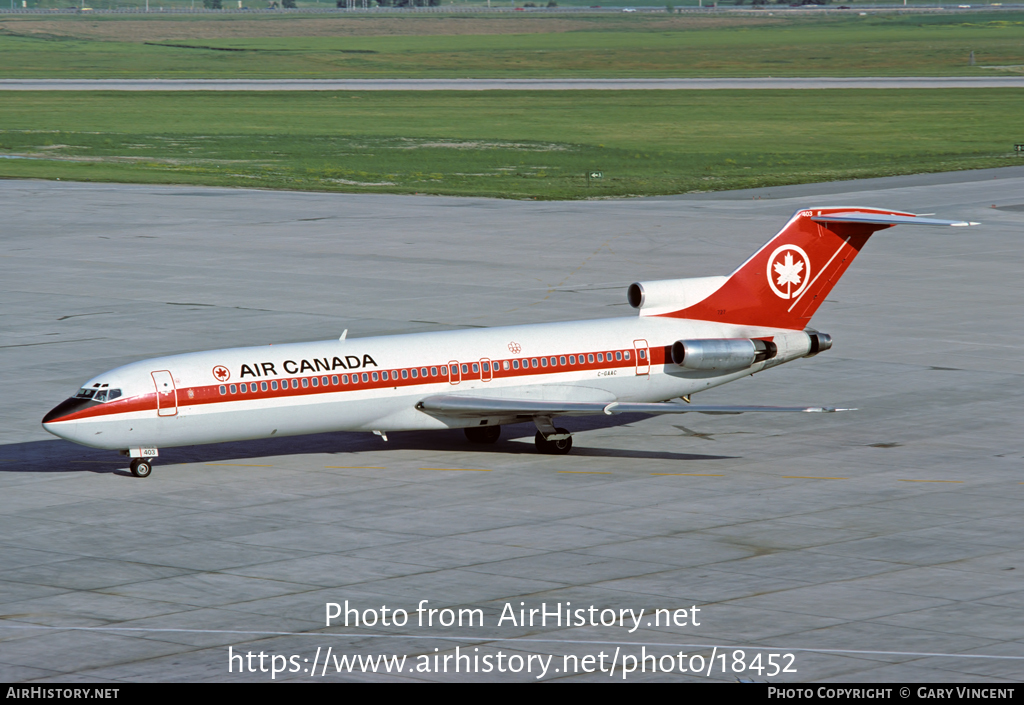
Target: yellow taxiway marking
457,469
240,465
956,481
811,477
684,474
582,472
354,467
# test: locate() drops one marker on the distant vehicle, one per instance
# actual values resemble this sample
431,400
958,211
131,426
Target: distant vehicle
690,335
844,7
629,9
963,6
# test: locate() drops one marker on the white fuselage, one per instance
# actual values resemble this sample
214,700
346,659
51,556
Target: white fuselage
199,403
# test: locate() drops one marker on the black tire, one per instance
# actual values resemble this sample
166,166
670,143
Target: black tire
483,434
141,467
553,447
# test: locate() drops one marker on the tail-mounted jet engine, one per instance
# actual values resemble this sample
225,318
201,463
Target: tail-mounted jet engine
820,342
721,353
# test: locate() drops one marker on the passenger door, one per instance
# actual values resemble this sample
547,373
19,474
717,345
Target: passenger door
643,357
166,395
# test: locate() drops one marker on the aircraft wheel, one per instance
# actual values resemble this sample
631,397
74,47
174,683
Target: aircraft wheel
483,434
141,467
553,447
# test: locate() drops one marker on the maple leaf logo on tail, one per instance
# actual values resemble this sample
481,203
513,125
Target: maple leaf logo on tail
788,275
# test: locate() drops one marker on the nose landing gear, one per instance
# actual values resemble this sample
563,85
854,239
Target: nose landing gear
141,467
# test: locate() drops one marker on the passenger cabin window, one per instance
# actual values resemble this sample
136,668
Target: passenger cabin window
244,388
618,355
223,390
273,386
405,374
504,365
234,389
543,362
572,359
590,357
476,367
384,375
366,377
444,370
626,354
643,354
465,369
344,379
375,376
561,360
305,382
515,364
534,362
315,381
415,373
263,386
487,367
334,379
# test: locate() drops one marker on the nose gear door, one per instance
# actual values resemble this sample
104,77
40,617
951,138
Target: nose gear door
166,395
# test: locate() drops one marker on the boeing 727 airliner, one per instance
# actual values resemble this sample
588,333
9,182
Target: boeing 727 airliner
690,335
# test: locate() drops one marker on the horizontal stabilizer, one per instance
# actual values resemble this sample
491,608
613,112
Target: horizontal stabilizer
477,407
886,219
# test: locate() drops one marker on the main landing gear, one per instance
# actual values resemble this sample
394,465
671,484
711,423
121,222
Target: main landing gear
549,440
559,444
141,467
484,435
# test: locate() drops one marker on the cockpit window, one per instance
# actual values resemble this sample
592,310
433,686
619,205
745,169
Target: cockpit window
98,394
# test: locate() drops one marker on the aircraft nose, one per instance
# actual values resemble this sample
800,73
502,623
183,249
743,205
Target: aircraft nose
66,408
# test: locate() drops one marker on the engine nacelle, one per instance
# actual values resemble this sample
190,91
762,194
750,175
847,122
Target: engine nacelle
667,295
721,353
820,342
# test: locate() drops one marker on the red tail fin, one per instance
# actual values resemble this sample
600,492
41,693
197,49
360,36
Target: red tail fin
783,283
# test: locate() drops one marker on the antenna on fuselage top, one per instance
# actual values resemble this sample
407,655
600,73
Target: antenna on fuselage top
344,334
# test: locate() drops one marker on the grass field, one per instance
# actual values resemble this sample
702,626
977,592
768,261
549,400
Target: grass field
614,46
506,144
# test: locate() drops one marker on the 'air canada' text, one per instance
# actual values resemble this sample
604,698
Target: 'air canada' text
291,367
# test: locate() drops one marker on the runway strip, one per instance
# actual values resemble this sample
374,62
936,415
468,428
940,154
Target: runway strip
506,84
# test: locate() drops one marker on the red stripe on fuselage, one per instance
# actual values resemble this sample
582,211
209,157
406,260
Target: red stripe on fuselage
210,394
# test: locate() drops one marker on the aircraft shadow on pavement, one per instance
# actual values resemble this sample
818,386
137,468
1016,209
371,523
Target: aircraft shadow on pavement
63,456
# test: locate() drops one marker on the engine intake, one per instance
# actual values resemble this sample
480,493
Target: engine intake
721,353
667,295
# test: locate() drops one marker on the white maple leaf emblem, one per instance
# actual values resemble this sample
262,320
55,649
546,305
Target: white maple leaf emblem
788,271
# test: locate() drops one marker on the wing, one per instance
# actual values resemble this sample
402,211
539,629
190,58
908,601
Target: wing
460,406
